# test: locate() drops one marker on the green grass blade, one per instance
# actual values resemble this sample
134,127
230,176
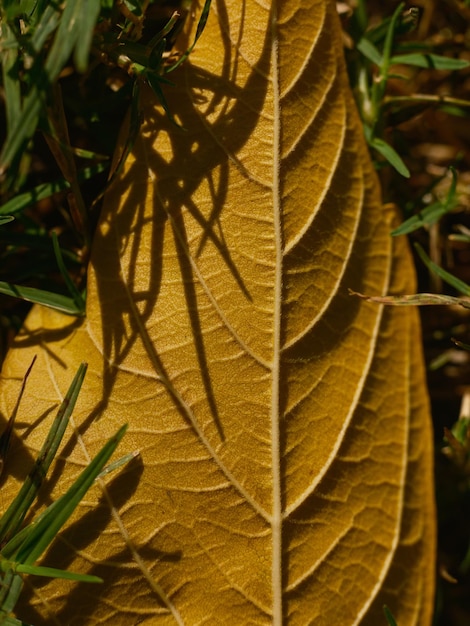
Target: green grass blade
34,9
390,35
463,238
199,30
451,199
428,216
451,280
51,572
368,49
380,84
434,61
154,82
10,589
88,154
23,200
34,241
5,219
65,39
391,155
359,17
153,43
112,467
406,23
10,70
50,299
45,190
389,617
77,297
20,133
87,19
45,27
431,214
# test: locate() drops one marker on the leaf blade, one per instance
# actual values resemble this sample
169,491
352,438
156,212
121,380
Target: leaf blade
235,354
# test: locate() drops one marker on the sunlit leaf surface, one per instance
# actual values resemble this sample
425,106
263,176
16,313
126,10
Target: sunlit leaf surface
285,473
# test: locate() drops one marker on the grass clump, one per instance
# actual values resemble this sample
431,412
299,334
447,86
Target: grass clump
69,72
22,545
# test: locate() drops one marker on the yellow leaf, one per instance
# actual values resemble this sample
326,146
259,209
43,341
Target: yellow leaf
283,427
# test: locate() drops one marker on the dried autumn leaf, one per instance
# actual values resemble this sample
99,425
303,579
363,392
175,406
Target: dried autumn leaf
282,424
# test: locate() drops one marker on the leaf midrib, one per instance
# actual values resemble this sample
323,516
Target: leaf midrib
276,525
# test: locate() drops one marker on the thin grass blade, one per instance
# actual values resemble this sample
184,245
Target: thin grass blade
378,87
10,589
45,27
407,22
433,61
10,69
451,280
391,155
199,30
368,49
87,19
46,190
52,572
40,296
77,297
432,213
389,617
